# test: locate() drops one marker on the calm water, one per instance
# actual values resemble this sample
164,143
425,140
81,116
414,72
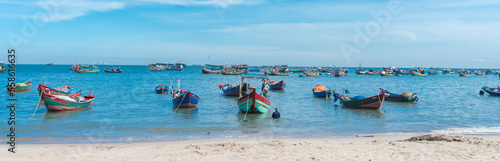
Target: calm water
127,109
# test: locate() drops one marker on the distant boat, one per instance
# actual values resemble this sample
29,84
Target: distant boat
230,90
209,71
310,74
2,67
277,74
322,91
492,91
20,87
384,74
231,73
113,70
63,91
403,97
463,74
50,64
277,85
67,103
161,89
87,70
414,73
360,102
184,99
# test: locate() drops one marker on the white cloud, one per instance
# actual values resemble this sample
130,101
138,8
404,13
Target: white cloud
219,3
69,10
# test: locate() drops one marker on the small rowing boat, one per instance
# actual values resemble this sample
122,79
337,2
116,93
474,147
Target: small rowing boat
184,99
20,87
230,90
360,102
403,97
161,89
492,91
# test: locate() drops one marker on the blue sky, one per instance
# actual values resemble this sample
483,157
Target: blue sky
431,33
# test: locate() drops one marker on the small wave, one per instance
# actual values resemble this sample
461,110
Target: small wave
478,130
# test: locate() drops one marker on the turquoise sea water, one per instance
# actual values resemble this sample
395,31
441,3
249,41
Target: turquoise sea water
127,109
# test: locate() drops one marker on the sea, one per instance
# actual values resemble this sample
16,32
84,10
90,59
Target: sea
127,109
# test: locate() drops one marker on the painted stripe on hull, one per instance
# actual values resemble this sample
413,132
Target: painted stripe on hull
62,108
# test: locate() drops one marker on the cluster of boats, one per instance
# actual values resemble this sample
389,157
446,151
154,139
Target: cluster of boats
85,69
158,67
392,71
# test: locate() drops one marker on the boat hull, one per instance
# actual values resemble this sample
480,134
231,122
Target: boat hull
279,86
374,102
87,71
228,90
52,91
323,94
278,74
186,100
418,74
161,89
253,103
492,91
55,104
208,71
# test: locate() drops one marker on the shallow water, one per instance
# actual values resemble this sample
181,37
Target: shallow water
127,109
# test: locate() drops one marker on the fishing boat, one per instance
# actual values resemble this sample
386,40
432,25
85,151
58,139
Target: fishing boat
414,73
254,102
161,89
184,99
403,97
360,102
230,90
492,91
2,70
310,74
63,91
385,74
50,64
273,73
463,74
480,73
277,85
231,73
209,71
87,70
2,67
67,103
113,70
296,70
322,91
20,87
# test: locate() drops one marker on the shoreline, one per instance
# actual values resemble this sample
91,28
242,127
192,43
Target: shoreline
378,147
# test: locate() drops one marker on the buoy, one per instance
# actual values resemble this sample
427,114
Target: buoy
481,92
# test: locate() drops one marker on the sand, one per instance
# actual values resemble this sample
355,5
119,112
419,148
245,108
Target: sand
391,147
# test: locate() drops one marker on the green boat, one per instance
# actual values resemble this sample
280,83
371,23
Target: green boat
66,103
19,87
87,70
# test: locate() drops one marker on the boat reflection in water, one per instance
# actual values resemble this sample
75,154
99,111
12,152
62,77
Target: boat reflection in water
65,114
364,112
185,113
253,123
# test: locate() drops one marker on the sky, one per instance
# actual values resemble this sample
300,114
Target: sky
375,33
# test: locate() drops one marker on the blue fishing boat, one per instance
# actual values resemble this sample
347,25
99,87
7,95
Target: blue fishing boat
492,91
322,91
161,89
184,99
403,97
277,85
230,90
254,102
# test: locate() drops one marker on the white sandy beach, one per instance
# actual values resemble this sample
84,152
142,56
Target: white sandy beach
389,147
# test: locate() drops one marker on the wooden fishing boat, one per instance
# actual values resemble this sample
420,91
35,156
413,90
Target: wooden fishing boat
360,102
67,103
20,87
87,70
230,73
311,74
277,85
230,90
209,71
480,73
371,73
2,70
462,74
413,73
113,70
322,91
492,91
63,91
384,74
161,89
403,97
278,74
184,99
253,103
155,70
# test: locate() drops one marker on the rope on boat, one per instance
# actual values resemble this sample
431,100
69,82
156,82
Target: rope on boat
37,104
381,103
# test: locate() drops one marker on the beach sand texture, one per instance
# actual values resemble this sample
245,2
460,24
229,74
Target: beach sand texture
387,147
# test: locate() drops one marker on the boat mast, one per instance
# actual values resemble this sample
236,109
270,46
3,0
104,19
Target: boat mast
240,85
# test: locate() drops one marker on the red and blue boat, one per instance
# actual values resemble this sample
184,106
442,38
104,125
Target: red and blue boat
185,99
253,103
230,90
277,85
403,97
360,102
322,91
492,91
